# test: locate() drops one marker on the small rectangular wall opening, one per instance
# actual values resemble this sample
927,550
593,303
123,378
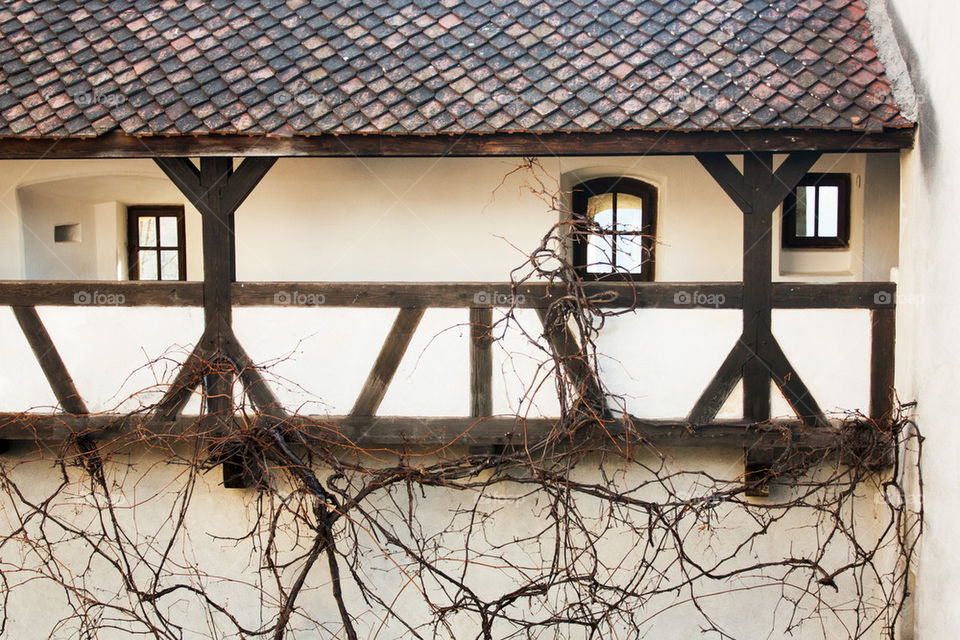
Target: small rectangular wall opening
66,232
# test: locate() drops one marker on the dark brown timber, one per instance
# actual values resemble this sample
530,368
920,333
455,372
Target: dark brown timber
882,348
481,362
371,395
575,361
721,386
643,295
630,143
50,362
443,431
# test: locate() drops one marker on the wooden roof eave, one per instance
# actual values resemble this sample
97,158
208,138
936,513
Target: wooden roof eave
633,142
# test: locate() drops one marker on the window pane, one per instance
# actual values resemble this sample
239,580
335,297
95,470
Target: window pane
169,265
630,255
600,210
148,231
600,247
829,212
806,213
600,253
168,232
148,265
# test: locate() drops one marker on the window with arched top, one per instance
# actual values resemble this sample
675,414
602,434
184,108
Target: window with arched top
613,230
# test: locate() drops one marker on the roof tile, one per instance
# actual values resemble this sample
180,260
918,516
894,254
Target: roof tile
364,66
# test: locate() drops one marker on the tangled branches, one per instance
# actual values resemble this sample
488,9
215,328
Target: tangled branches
585,533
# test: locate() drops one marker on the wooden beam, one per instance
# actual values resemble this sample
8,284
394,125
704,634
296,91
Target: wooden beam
391,431
188,377
185,175
218,243
245,179
257,388
788,175
575,361
481,362
627,143
757,285
791,385
844,295
371,395
51,364
729,178
642,295
882,349
720,387
99,293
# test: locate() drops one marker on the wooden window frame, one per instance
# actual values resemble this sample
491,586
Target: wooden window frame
582,228
134,213
789,237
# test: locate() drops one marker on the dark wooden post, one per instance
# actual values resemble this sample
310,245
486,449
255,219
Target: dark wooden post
757,358
216,191
481,362
882,348
757,285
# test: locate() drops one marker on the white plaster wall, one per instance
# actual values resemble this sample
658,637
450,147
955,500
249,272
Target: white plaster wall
928,353
218,555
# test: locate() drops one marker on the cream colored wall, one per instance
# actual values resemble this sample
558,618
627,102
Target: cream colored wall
219,557
928,353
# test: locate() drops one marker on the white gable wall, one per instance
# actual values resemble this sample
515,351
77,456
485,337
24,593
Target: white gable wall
928,354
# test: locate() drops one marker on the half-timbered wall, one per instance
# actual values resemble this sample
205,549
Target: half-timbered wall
455,219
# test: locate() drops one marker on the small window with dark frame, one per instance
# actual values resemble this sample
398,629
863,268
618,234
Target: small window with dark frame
156,243
614,223
817,214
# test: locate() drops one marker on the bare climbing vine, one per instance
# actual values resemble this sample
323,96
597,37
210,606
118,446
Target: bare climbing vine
588,532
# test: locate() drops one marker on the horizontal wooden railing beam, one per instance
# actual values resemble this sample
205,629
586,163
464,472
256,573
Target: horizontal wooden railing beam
375,431
649,295
85,293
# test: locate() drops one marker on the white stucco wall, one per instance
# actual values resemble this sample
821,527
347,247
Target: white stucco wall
928,353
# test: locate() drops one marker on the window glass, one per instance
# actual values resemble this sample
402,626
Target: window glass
600,246
148,231
148,264
168,231
170,265
806,212
828,210
629,227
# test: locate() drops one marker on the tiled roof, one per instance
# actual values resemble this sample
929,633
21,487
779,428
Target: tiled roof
301,67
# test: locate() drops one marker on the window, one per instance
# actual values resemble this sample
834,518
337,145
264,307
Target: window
614,222
817,214
156,245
